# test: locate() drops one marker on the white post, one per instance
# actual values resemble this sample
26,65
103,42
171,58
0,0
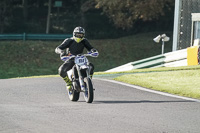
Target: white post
163,43
176,24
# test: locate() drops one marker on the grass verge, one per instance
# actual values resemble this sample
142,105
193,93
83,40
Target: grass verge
182,81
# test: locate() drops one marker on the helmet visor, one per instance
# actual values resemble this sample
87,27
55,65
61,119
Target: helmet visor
79,35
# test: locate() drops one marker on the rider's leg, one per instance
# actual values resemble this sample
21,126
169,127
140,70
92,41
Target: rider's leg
63,72
91,70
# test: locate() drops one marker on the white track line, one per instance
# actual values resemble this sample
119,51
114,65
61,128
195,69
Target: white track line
148,90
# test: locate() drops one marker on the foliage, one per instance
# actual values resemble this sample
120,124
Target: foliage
30,16
124,13
5,13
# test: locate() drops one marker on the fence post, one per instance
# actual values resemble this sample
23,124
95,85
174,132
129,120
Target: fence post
24,37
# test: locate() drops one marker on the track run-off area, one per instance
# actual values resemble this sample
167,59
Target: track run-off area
41,105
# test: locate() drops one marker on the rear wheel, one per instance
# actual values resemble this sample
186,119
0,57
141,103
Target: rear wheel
73,94
89,93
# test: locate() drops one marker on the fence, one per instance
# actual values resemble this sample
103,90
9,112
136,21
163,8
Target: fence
25,36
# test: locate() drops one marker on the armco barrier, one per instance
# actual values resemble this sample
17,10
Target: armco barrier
149,62
25,36
171,59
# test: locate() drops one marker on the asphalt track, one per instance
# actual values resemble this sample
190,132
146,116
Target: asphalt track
41,105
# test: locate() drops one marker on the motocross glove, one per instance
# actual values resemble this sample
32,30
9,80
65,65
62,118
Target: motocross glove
94,53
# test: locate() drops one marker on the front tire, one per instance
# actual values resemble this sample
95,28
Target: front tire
89,93
73,95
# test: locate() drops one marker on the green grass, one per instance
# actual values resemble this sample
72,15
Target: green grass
19,58
182,81
33,58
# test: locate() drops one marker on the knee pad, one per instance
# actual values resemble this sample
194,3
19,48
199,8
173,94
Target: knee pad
91,69
62,72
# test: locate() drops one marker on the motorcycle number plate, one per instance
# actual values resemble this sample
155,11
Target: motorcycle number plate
81,60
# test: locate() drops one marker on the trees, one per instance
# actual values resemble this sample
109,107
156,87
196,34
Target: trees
124,13
25,9
5,13
103,18
48,16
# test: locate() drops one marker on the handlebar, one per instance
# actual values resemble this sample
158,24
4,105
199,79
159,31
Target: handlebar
92,54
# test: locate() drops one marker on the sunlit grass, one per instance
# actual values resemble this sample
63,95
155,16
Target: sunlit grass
183,83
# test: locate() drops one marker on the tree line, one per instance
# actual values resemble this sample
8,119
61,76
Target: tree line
101,18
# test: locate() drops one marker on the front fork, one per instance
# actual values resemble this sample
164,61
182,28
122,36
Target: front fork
81,80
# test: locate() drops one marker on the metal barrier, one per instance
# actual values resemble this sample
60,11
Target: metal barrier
171,59
149,62
25,36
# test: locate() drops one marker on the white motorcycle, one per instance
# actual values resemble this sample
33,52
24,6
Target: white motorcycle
80,77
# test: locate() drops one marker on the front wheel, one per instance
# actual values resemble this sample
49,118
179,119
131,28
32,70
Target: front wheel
73,95
88,93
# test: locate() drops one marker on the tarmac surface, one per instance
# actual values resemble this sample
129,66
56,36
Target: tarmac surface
41,105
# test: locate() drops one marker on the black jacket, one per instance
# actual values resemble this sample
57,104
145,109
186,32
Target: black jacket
73,47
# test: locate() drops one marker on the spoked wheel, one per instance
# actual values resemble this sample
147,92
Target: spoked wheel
88,94
73,94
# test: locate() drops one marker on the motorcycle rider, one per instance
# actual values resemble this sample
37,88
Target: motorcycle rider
73,46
